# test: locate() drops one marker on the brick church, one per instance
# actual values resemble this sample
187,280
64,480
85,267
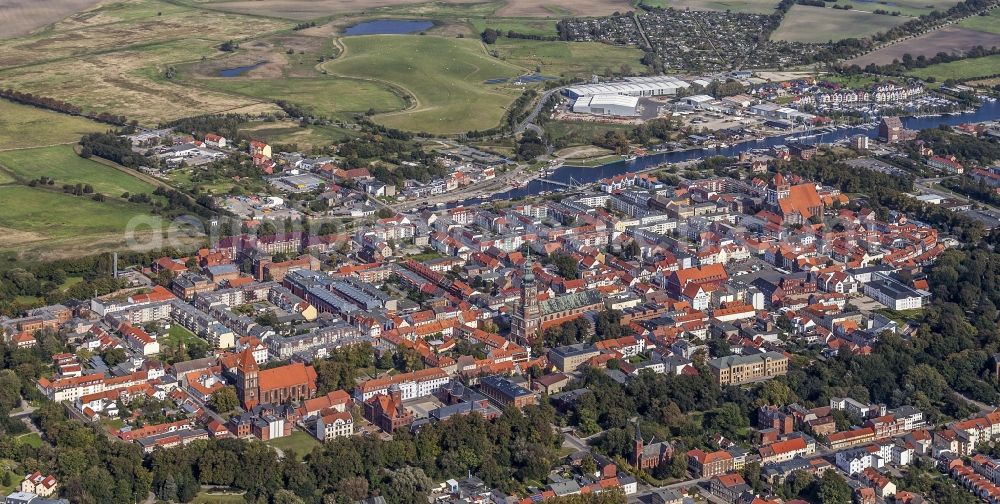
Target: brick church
289,383
647,456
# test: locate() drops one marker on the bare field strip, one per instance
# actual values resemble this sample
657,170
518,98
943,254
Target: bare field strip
805,23
951,40
310,9
21,17
547,8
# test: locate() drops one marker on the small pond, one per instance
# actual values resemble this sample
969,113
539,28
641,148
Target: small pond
240,70
389,27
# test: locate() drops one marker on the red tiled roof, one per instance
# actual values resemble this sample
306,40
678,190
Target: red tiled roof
287,376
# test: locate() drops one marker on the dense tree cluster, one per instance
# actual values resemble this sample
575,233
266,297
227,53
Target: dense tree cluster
341,368
530,146
571,332
565,265
967,148
223,400
227,125
400,174
619,140
113,147
489,36
975,189
358,151
41,101
505,453
950,351
45,280
922,478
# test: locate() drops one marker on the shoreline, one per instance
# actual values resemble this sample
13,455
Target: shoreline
792,136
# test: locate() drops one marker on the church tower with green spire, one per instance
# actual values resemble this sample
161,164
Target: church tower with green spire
525,322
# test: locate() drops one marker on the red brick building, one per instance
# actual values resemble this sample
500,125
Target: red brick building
386,411
290,383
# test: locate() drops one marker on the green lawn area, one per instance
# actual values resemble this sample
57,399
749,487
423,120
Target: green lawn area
207,498
300,442
851,81
31,439
595,161
181,179
805,23
41,218
288,132
987,24
961,69
70,281
328,96
8,465
445,76
62,164
26,126
179,334
112,424
519,25
581,59
580,132
901,317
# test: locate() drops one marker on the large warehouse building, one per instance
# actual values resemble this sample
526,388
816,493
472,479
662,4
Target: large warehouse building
607,104
631,86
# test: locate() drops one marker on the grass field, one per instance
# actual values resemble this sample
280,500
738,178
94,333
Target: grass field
300,442
568,8
31,439
804,23
568,58
444,76
327,96
986,24
178,334
105,59
851,81
961,69
207,498
10,466
62,164
55,224
748,6
26,126
288,132
579,132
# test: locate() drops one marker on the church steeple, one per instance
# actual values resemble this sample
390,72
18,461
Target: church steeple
525,322
247,379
